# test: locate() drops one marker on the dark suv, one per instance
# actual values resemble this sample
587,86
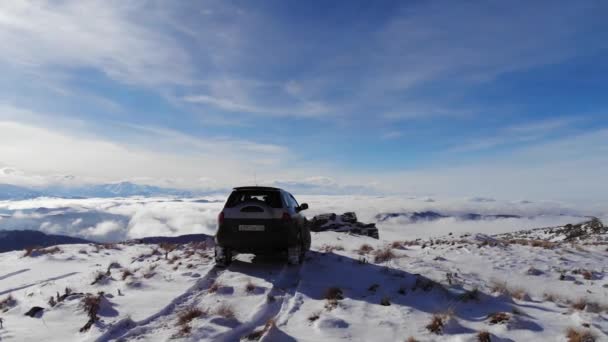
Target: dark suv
261,220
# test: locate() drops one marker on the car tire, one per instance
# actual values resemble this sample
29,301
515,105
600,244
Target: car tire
223,256
295,254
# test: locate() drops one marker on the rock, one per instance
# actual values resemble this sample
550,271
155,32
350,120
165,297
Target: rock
349,217
35,312
346,223
534,271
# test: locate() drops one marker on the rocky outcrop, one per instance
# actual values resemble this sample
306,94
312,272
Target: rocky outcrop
581,231
346,223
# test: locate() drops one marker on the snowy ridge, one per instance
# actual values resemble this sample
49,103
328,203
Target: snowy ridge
350,287
590,231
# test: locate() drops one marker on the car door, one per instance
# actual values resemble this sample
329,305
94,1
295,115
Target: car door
301,219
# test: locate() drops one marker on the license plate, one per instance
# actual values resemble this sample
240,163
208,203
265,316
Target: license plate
251,228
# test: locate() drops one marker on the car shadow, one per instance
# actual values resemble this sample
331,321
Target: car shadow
372,283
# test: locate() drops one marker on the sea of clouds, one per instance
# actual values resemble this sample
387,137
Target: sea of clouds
119,219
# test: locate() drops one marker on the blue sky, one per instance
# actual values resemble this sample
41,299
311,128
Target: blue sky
492,98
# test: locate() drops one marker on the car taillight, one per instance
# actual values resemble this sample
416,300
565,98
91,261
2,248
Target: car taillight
220,218
286,217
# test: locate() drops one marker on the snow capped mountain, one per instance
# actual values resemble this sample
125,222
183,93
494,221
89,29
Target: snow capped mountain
14,192
121,189
413,217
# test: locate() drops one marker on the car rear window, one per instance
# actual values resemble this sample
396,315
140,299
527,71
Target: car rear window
272,198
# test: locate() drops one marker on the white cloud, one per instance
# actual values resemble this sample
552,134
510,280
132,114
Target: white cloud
571,168
477,41
521,133
105,231
120,219
39,151
111,36
296,108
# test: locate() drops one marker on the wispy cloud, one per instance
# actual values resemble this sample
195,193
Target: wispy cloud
110,36
567,168
218,91
521,133
172,155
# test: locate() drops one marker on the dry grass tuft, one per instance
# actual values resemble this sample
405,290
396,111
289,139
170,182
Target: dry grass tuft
534,243
472,295
543,244
256,335
583,304
587,275
423,283
551,297
397,245
384,255
333,295
580,304
499,287
499,318
225,311
111,266
101,246
167,248
484,336
502,288
436,325
175,258
314,316
184,330
37,251
7,303
411,243
365,249
99,277
188,315
185,317
52,302
402,290
331,248
126,273
574,335
249,287
91,304
215,286
519,294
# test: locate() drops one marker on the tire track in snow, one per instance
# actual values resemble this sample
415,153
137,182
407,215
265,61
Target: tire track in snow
283,290
126,327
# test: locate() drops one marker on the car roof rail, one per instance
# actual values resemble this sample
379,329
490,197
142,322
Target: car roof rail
265,188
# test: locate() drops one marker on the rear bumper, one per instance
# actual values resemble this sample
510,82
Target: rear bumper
276,237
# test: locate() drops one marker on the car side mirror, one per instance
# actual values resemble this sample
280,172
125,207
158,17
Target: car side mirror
302,207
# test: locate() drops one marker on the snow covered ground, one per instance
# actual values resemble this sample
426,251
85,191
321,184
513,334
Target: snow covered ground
350,288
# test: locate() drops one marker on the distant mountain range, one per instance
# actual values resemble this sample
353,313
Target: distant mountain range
418,216
122,189
13,192
14,240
